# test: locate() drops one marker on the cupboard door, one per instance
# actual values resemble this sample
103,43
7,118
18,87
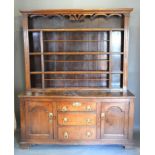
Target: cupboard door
114,120
39,121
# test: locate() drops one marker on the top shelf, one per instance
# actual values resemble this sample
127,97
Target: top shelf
77,30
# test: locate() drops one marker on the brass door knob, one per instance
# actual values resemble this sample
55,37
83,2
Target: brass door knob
66,135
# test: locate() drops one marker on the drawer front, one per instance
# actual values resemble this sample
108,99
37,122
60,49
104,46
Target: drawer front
76,106
76,133
77,119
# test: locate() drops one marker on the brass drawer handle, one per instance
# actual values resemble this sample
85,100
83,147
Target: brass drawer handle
65,120
88,134
66,135
88,108
64,108
76,104
50,115
88,121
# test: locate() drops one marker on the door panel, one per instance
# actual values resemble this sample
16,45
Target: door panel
114,120
39,124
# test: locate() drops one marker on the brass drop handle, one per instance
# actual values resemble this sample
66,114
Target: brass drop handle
88,134
64,108
66,135
88,121
102,115
76,104
65,120
50,115
88,108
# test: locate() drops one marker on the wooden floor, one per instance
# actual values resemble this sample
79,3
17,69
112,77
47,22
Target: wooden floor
77,150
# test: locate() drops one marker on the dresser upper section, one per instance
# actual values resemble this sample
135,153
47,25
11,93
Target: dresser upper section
76,49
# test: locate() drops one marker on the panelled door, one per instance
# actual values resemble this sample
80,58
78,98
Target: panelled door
114,120
39,119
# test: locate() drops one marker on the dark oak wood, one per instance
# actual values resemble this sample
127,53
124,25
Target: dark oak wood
76,75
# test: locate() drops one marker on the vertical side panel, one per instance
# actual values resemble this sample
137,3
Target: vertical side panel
102,120
131,119
22,120
26,51
110,61
51,125
126,127
98,122
42,59
125,61
55,120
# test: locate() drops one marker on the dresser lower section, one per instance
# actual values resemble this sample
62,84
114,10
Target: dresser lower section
76,121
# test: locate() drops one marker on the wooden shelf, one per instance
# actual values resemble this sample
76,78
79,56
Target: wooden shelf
76,72
35,53
74,40
78,79
77,30
75,60
76,88
74,53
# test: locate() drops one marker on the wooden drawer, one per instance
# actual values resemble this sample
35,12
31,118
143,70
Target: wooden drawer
76,106
77,118
76,133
